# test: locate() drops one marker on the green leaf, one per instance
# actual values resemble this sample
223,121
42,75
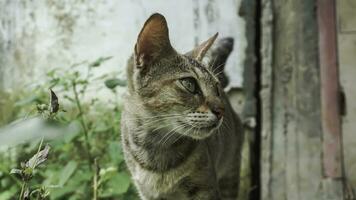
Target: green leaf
120,182
73,130
115,152
78,181
51,73
102,127
112,83
53,82
82,82
106,174
56,193
99,61
8,194
16,171
67,171
117,185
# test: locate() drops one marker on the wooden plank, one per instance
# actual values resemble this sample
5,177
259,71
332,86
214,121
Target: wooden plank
291,135
329,89
266,97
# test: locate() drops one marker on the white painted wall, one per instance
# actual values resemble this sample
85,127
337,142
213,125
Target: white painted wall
347,70
38,35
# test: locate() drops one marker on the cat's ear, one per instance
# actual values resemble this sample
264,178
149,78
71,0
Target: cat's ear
153,40
199,52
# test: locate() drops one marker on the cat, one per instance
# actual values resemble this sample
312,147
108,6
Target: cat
181,138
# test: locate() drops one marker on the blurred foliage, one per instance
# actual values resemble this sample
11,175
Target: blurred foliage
84,163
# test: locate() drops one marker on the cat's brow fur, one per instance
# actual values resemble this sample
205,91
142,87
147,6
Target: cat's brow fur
168,156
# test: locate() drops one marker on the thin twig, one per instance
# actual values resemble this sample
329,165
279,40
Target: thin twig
22,193
82,122
95,181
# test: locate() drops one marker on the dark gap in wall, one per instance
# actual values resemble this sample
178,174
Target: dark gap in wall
256,148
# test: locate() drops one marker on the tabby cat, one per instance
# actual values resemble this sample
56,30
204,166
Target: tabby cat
181,138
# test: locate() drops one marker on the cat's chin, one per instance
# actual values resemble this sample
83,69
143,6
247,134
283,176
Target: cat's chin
200,133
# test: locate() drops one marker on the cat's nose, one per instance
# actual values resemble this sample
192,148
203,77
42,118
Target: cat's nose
218,112
216,107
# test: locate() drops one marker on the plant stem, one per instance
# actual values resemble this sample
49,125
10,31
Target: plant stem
87,78
95,181
82,122
22,193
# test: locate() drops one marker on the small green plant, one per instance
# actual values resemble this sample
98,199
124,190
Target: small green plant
27,172
86,160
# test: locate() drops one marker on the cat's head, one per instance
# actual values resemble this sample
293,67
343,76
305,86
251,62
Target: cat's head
181,94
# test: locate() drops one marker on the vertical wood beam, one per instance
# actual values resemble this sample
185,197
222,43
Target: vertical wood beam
290,92
330,108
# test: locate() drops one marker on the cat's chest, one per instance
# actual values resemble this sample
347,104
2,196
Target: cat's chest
164,182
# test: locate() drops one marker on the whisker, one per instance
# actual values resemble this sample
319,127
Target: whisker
153,122
154,119
167,135
213,64
217,67
156,116
186,133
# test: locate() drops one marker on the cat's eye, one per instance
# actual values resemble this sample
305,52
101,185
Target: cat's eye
189,84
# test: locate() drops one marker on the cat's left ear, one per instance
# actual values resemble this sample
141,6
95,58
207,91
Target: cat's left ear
199,52
153,41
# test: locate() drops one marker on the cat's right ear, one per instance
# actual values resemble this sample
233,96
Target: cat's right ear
199,52
153,41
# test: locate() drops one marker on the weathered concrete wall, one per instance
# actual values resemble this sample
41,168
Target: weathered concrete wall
292,114
290,91
38,35
347,69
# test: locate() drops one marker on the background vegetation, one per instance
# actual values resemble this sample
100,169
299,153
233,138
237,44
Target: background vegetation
85,161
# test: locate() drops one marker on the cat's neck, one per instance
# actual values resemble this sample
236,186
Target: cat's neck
159,150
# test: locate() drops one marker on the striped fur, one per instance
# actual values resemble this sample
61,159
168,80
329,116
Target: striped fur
179,144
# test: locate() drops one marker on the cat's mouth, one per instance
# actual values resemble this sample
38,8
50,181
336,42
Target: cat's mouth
209,127
200,132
